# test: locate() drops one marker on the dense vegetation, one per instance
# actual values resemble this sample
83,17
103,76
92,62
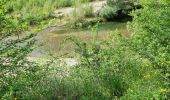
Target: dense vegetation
16,73
35,11
118,10
136,67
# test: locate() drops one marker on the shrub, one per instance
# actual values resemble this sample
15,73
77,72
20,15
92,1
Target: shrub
88,11
117,9
110,70
127,68
108,12
19,78
78,17
151,35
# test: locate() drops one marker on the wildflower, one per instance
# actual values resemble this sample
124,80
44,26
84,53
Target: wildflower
146,77
146,65
168,62
163,90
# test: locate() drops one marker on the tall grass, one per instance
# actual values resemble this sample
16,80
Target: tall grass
34,11
81,12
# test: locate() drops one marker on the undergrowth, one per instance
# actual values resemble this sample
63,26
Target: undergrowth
118,67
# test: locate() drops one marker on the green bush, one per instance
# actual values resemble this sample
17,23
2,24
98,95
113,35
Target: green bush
108,12
116,9
78,18
151,35
127,68
19,78
112,70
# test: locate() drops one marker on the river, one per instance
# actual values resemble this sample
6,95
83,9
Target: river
53,42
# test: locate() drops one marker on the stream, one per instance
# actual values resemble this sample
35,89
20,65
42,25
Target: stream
53,42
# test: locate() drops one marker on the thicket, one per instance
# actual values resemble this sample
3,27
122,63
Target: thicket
134,68
19,78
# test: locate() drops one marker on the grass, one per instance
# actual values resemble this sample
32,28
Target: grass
76,18
34,11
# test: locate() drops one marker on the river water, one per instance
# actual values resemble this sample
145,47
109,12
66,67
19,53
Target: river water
53,40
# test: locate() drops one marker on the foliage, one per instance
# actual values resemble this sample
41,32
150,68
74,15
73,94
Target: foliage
34,12
151,35
108,12
134,68
116,9
77,17
119,67
111,70
18,76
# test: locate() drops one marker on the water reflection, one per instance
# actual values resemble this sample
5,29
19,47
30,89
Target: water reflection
53,40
